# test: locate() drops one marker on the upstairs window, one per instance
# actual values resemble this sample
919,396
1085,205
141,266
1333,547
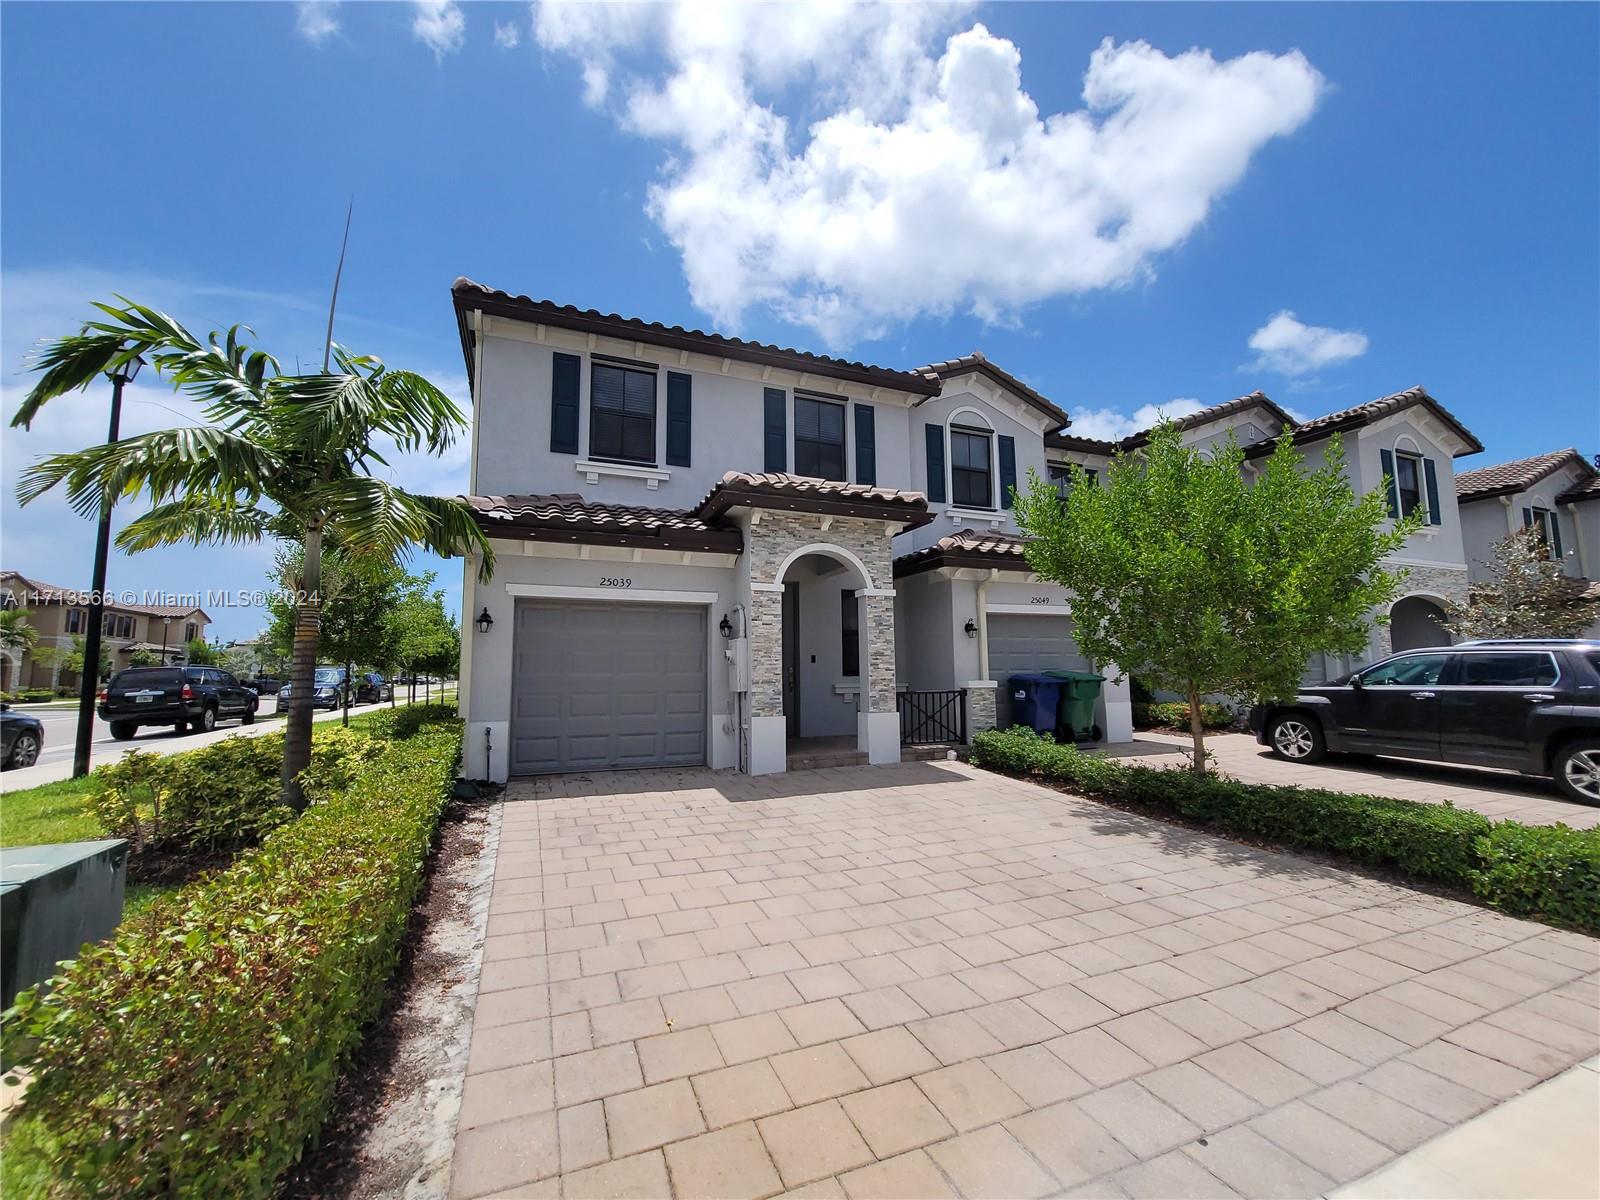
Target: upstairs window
1408,482
191,631
971,481
622,414
1547,528
76,619
819,439
118,625
1061,477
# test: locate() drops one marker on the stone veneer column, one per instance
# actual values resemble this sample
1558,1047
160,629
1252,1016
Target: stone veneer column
878,721
980,707
766,653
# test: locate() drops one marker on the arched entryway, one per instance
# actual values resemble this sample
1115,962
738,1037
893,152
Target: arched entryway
825,648
1416,622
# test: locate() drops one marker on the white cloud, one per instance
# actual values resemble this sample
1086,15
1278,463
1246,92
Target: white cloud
316,20
440,25
507,36
1288,346
1110,425
925,180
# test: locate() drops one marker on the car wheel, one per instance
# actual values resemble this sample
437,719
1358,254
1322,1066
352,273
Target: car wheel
207,721
1577,771
1295,737
248,717
123,730
24,751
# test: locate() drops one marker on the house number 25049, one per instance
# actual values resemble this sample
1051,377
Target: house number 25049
1039,600
615,581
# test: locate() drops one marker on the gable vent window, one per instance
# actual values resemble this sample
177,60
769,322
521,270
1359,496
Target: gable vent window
622,414
818,439
971,484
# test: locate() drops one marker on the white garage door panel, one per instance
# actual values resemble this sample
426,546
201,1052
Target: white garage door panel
1019,644
601,686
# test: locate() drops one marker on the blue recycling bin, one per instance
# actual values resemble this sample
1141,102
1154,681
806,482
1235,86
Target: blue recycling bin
1034,698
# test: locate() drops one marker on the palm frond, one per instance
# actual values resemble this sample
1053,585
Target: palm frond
202,520
374,517
169,462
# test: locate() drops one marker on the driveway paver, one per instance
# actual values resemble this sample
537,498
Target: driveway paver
1498,795
928,980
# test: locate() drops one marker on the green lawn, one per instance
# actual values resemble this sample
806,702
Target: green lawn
51,812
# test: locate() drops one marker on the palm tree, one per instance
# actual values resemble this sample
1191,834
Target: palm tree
17,637
286,456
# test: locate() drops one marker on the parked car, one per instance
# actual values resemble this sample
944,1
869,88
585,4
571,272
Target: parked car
186,698
371,688
21,738
1527,705
327,689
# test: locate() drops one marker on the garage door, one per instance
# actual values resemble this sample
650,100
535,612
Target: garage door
1019,644
603,686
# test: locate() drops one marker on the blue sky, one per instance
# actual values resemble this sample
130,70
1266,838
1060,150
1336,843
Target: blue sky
1416,184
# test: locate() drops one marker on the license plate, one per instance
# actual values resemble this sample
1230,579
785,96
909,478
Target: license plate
143,699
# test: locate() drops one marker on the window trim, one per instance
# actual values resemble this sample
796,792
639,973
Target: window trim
1544,520
597,363
1415,458
989,439
843,405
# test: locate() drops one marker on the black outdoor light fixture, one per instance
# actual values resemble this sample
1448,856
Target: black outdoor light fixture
725,627
121,371
484,622
971,627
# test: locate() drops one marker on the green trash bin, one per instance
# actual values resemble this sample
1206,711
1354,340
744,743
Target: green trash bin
1075,711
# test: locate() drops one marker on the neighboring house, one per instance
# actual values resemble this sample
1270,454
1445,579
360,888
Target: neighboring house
717,551
1557,493
61,615
1408,438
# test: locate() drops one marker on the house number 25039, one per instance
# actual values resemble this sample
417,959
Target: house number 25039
615,581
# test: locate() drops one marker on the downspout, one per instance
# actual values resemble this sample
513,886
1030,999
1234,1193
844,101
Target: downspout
983,626
1511,514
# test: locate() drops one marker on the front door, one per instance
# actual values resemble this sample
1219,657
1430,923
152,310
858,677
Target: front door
1396,708
791,659
1485,707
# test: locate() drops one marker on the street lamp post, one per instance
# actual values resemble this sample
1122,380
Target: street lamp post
119,373
166,623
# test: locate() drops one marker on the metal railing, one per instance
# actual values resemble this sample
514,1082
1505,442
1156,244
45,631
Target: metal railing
932,718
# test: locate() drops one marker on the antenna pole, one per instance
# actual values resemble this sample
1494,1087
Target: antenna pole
333,302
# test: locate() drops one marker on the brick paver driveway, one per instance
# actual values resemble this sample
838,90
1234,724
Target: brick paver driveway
926,980
1498,795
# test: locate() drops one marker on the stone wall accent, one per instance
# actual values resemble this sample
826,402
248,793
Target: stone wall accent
773,537
980,710
1435,581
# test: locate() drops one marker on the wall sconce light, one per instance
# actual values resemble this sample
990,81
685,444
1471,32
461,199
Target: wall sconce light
725,627
484,622
971,627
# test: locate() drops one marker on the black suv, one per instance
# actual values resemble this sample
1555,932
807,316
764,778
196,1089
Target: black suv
1531,706
183,697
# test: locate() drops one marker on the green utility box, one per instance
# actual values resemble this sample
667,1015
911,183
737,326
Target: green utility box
1075,711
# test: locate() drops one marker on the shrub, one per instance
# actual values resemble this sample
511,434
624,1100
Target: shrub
195,1053
1550,872
405,722
1175,715
1545,871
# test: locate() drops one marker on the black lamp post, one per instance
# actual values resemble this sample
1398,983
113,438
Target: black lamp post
166,622
119,373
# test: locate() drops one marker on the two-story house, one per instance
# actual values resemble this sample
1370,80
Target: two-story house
1557,494
1408,439
857,575
60,616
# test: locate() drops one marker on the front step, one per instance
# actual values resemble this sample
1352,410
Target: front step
816,760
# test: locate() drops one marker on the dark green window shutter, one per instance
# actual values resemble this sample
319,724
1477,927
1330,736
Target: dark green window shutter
866,446
1008,469
1435,517
935,438
777,430
679,419
564,373
1386,457
1527,518
1555,536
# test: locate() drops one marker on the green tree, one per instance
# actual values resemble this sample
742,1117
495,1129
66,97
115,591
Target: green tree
1527,594
16,634
71,658
277,455
1200,581
420,629
201,653
144,658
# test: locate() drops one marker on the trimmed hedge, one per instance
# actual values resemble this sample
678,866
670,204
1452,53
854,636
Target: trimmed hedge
196,1052
1175,715
1548,872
